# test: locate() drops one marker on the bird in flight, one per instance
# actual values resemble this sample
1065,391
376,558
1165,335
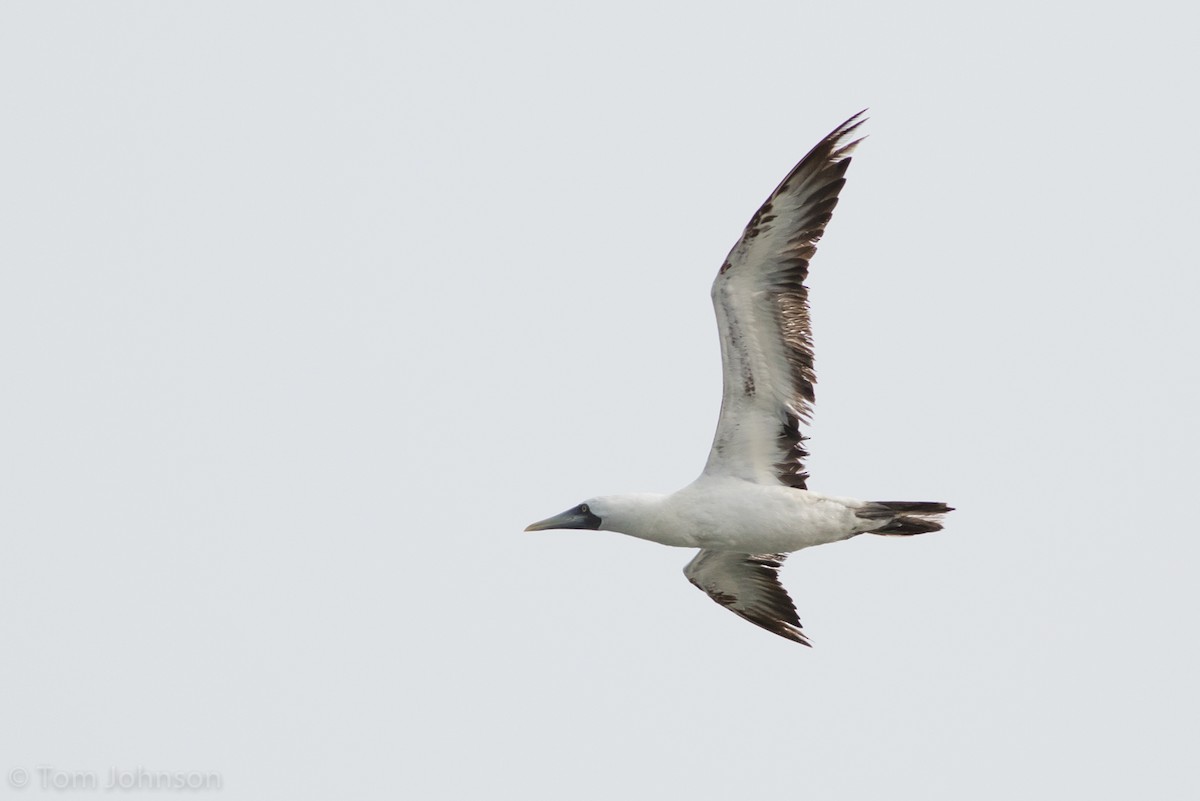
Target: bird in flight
751,505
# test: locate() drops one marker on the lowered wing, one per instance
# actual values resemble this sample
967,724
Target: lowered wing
747,584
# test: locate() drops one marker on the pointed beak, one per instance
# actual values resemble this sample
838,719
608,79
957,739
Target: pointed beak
572,518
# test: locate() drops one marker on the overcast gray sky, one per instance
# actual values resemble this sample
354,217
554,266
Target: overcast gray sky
307,309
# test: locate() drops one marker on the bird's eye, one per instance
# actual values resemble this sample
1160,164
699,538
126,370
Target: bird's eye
583,509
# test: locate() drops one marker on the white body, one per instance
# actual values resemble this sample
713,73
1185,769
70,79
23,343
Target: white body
731,514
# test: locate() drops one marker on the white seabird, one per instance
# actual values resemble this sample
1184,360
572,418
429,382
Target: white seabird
751,506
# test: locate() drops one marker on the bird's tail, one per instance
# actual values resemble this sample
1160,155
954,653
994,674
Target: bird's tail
904,518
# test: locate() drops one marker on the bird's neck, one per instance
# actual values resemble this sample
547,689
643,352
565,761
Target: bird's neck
636,514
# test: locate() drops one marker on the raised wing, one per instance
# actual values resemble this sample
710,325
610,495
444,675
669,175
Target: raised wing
748,585
762,316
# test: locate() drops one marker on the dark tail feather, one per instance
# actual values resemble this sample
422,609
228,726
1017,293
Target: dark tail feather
907,526
883,509
904,518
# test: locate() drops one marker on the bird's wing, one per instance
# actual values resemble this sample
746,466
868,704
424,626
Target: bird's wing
761,303
748,585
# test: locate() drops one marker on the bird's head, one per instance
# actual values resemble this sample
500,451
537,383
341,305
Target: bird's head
633,513
585,515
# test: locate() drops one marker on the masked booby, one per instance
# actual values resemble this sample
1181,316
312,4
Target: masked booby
751,505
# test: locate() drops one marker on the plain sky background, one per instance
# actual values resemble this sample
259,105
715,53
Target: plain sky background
306,310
